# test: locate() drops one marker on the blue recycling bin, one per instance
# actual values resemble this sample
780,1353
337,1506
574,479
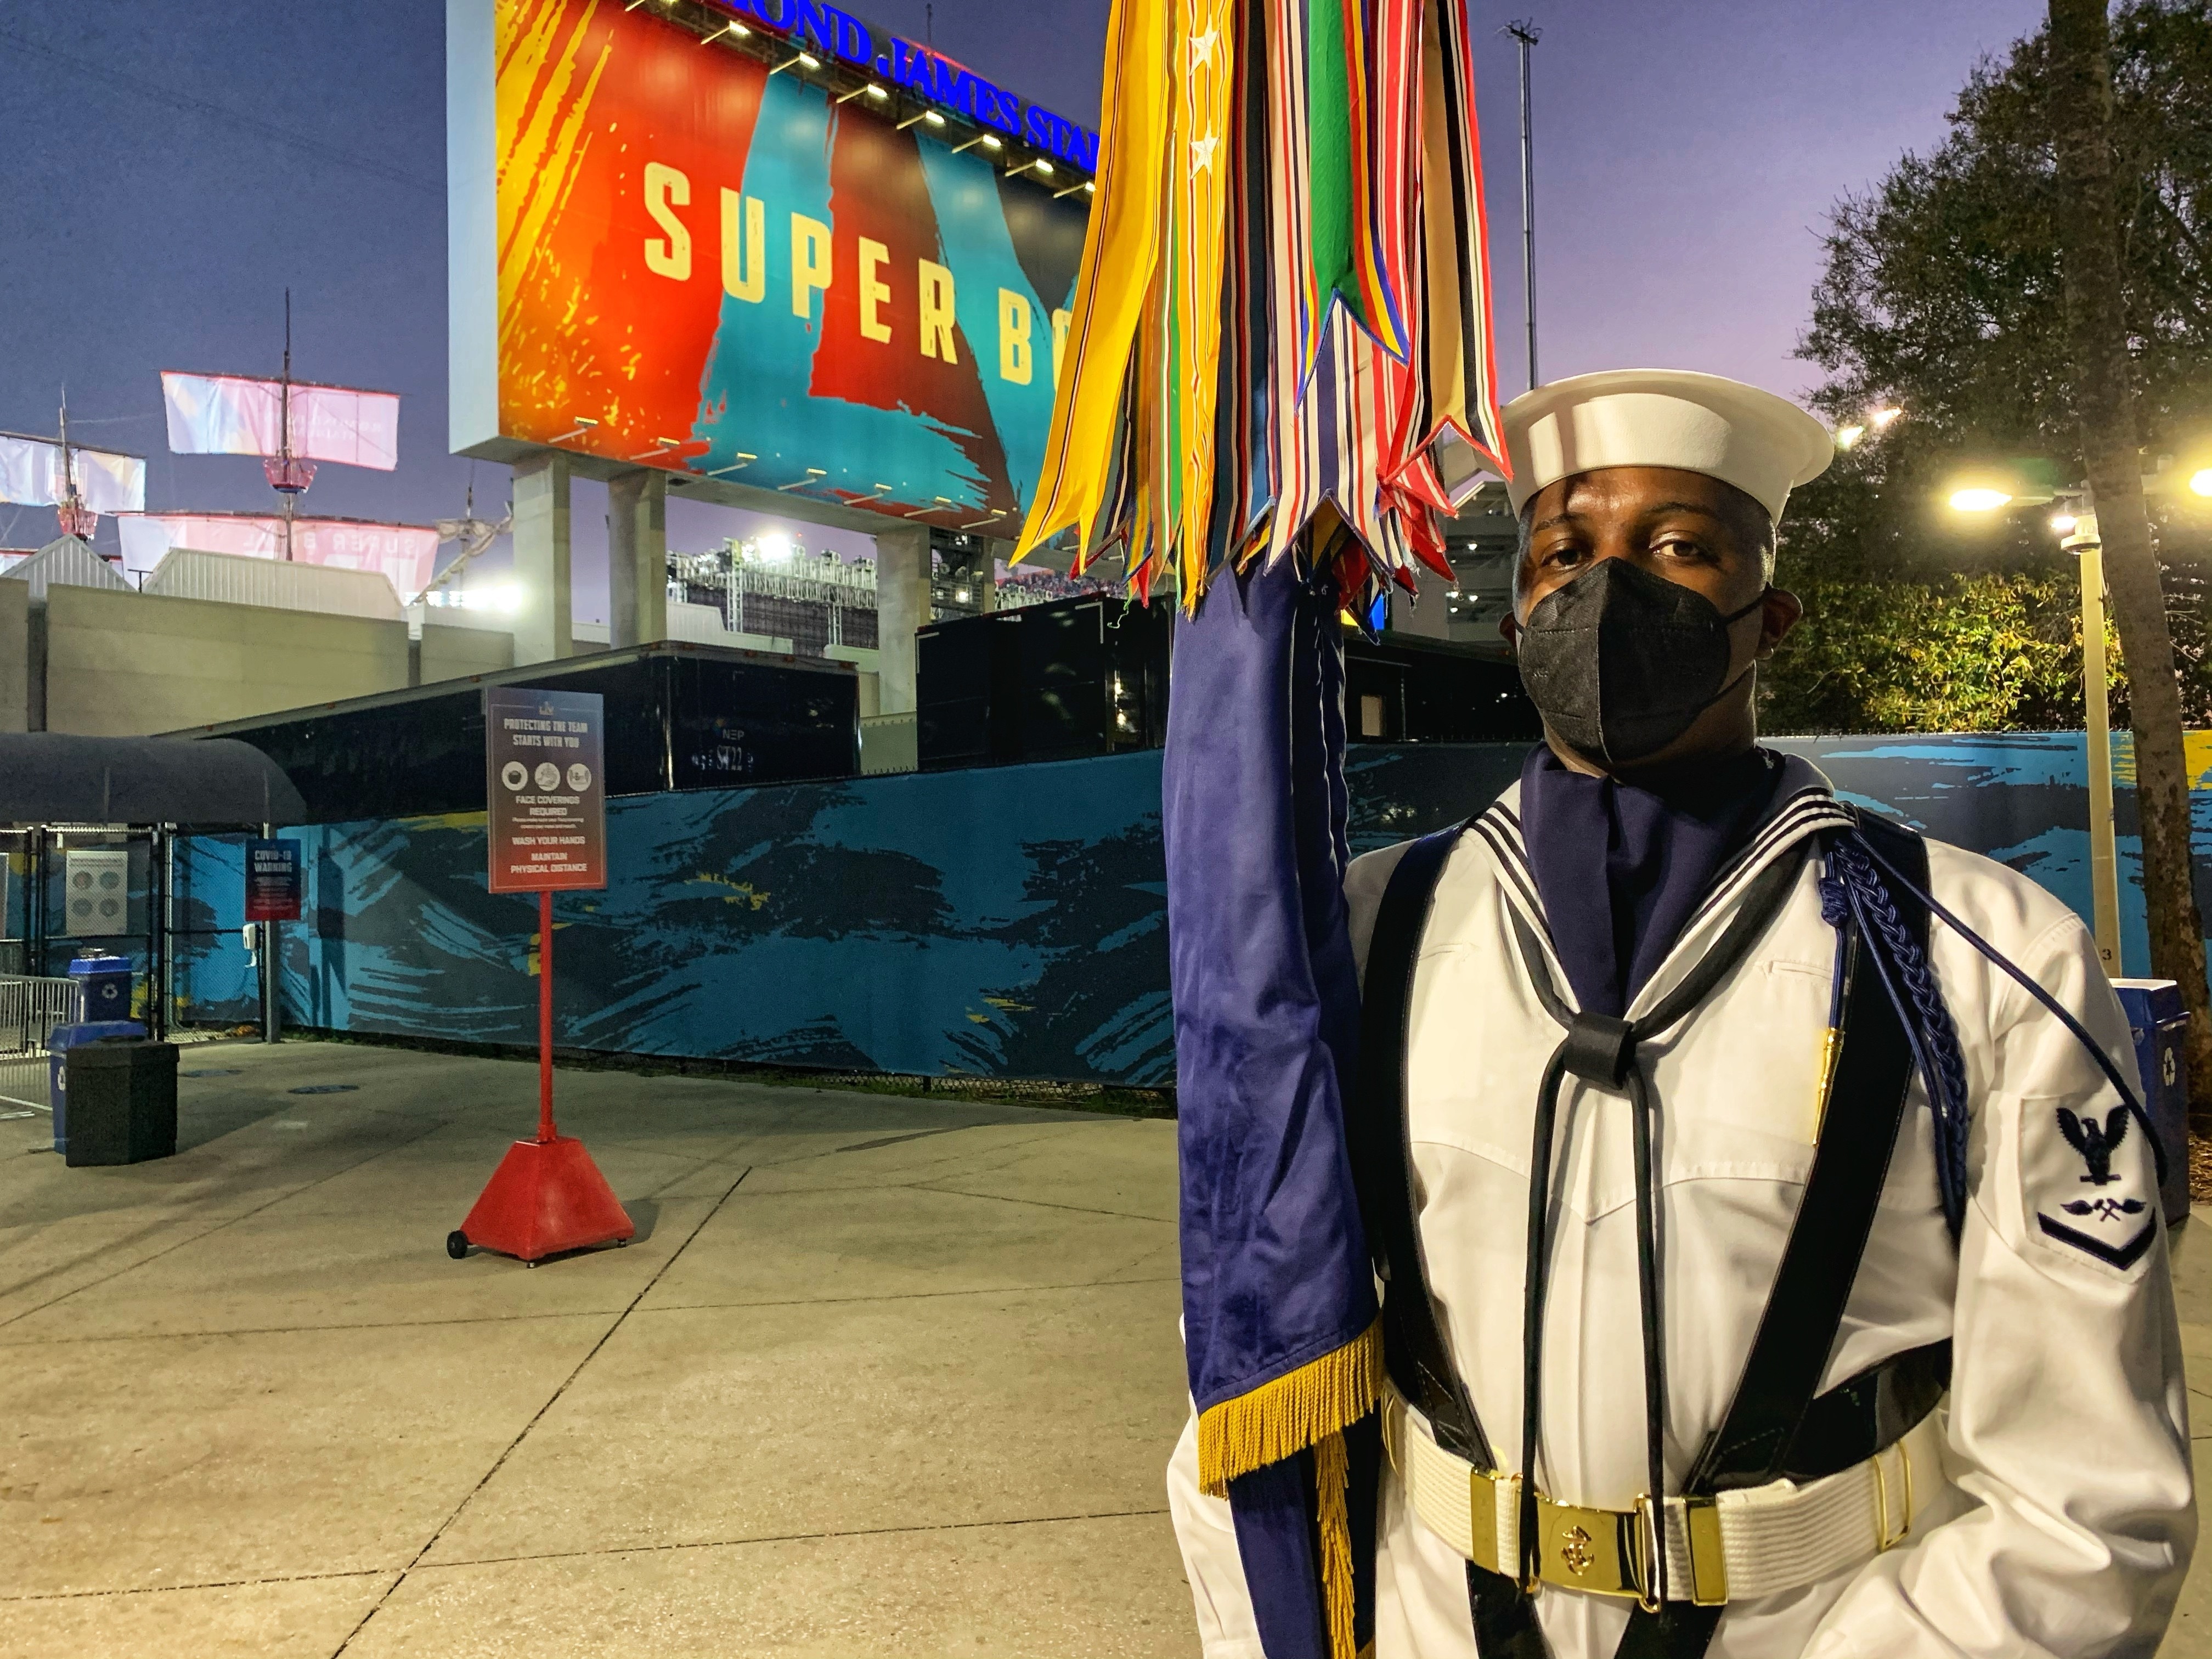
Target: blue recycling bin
106,982
2156,1020
59,1041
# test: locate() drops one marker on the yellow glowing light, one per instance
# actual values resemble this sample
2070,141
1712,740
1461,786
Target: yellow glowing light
740,31
2063,523
933,117
1848,435
1880,418
1044,166
989,142
810,60
2201,482
876,92
1978,501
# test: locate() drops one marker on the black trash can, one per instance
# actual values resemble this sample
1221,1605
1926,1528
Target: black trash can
122,1102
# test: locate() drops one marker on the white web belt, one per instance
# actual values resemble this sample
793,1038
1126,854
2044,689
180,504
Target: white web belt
1735,1546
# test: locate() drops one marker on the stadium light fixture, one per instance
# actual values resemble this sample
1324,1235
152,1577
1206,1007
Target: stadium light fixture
876,92
812,474
932,118
1043,165
744,459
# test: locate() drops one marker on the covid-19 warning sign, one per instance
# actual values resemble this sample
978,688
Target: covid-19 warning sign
546,789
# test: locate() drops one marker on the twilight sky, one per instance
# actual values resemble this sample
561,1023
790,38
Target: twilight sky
175,168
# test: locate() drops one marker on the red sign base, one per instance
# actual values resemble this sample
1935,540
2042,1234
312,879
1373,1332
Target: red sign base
546,1196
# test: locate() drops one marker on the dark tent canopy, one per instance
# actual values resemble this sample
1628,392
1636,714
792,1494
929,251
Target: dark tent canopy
215,783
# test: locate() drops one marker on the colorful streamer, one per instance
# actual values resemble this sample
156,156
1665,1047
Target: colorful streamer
1284,299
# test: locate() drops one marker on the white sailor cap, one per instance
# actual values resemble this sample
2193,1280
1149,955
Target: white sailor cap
1764,445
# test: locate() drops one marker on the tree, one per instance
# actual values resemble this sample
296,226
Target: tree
2034,292
2080,104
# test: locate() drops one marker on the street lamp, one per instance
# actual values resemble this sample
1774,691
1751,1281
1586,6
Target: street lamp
2077,529
1978,500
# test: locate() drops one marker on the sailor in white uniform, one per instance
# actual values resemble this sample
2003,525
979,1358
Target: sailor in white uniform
1844,1229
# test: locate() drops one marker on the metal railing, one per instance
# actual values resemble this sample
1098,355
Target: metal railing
30,1008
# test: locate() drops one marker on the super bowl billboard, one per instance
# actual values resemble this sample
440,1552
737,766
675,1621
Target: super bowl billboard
666,254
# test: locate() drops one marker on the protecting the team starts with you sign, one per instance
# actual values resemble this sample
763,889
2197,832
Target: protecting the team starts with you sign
546,791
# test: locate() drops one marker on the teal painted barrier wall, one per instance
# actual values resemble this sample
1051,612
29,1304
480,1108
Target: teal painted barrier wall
1003,921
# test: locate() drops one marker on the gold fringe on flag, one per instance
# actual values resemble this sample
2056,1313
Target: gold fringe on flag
1332,1476
1298,1409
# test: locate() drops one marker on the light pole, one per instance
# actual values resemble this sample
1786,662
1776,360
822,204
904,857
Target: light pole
1527,33
2077,528
2080,538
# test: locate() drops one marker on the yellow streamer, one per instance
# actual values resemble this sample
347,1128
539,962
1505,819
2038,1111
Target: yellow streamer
1203,155
1121,247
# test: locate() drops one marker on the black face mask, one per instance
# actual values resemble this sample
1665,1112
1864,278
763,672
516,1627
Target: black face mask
1620,662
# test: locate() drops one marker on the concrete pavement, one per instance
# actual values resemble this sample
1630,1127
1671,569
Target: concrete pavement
878,1377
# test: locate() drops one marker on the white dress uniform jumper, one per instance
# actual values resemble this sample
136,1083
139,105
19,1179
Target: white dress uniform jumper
1760,1395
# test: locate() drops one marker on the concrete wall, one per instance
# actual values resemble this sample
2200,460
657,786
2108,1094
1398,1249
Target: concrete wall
14,655
119,663
449,652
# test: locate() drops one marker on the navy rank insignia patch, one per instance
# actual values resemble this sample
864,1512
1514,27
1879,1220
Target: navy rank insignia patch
2089,1183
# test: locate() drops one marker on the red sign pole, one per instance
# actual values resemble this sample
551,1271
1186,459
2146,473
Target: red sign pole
545,1131
545,789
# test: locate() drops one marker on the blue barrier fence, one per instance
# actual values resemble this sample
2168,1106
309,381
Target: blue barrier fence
1003,921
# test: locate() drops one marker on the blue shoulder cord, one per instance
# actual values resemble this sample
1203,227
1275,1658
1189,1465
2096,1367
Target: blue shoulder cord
1852,888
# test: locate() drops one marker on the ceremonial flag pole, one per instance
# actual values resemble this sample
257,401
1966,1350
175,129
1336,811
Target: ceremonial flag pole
1281,326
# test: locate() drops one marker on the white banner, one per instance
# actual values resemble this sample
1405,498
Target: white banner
31,475
405,553
235,415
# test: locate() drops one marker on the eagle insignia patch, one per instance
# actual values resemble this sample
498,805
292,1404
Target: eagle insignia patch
2109,1223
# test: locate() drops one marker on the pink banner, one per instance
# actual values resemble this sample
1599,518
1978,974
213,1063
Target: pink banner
405,553
233,415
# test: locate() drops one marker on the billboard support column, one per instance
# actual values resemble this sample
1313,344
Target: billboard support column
902,607
542,628
637,558
986,583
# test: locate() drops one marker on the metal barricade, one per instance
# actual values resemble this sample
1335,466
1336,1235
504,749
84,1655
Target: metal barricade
30,1008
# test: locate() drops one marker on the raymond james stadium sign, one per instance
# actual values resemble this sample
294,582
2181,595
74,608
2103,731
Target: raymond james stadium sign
924,73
